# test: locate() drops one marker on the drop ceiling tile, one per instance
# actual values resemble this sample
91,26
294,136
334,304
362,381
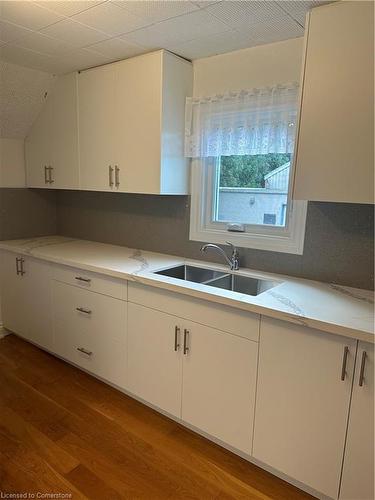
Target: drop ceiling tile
69,7
10,32
75,33
205,3
28,14
79,60
27,58
272,31
298,9
110,19
116,48
177,30
239,14
44,44
211,45
157,10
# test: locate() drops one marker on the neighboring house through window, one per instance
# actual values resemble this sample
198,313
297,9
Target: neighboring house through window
241,145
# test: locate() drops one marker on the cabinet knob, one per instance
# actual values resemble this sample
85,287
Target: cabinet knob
84,351
83,310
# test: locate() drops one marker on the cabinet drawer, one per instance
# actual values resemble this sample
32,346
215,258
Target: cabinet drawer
91,281
90,330
217,316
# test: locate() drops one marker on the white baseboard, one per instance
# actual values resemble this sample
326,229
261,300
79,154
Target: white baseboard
3,332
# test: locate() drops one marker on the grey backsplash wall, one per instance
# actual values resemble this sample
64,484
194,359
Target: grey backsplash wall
27,212
339,241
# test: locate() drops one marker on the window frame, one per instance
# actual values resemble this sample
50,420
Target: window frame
288,239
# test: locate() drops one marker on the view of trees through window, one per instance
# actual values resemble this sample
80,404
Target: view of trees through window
248,171
253,189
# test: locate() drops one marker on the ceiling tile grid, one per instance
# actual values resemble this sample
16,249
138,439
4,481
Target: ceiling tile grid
65,35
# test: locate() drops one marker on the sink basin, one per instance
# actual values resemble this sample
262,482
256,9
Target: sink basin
192,273
219,279
242,284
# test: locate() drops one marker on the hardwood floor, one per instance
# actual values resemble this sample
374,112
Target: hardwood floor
63,431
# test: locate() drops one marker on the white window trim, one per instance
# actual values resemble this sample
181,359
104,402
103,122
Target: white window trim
289,239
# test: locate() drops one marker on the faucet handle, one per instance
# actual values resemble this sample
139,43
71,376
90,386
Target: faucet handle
234,249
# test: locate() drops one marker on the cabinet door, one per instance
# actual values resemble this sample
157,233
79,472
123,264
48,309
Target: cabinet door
38,148
14,305
302,403
358,471
219,378
138,123
154,366
38,306
335,153
53,140
96,89
64,133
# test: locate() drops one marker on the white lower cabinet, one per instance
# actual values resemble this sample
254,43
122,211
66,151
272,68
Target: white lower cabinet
358,472
154,363
90,330
203,375
303,396
219,378
25,298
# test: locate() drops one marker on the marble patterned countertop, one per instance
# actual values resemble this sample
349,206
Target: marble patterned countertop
327,307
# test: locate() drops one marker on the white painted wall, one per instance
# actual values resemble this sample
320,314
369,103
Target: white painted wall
247,68
12,163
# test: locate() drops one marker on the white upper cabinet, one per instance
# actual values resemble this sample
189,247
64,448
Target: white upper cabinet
335,152
51,147
131,123
96,111
358,472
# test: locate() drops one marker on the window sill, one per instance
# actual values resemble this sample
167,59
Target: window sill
291,241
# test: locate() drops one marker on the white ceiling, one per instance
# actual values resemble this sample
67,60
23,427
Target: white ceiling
61,36
22,95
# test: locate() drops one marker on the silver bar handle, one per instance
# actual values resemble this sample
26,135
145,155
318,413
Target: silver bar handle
362,370
85,280
344,362
117,176
45,175
186,337
177,331
22,271
83,310
85,351
18,270
110,174
50,179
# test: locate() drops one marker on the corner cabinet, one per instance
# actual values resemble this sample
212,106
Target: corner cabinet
131,125
335,147
51,148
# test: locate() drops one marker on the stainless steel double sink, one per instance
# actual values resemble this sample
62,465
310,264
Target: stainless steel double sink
219,279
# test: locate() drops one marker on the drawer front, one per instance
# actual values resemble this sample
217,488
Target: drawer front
90,330
207,313
91,281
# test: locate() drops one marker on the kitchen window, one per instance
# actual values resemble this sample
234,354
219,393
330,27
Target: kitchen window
241,145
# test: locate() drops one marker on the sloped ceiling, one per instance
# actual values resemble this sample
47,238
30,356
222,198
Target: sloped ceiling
22,94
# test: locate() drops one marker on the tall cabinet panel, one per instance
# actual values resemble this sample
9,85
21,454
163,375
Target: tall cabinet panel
303,395
97,117
335,153
51,148
358,471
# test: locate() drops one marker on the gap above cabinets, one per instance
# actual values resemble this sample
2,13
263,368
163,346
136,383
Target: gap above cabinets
118,127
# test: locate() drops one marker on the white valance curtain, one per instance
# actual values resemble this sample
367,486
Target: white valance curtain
248,122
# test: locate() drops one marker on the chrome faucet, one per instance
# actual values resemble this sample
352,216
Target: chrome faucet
233,261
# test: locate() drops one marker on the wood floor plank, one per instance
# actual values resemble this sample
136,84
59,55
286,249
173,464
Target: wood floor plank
62,428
